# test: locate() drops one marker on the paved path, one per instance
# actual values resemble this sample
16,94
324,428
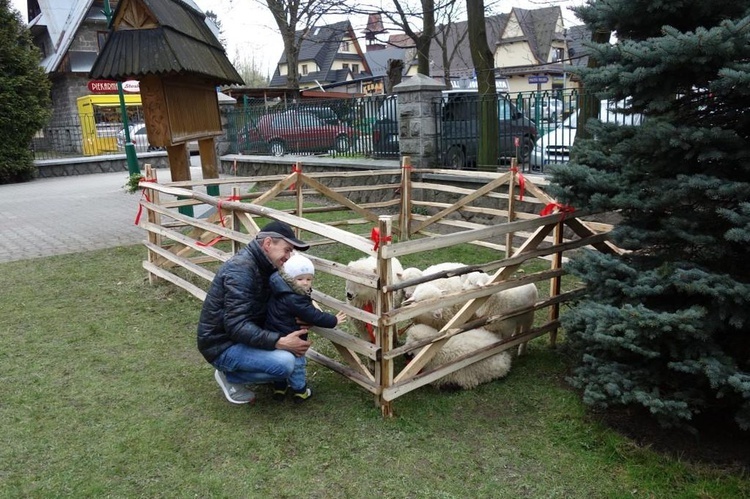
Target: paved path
55,216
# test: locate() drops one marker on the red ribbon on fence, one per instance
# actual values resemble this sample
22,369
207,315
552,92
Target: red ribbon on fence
375,236
521,182
563,209
370,329
143,195
221,219
296,168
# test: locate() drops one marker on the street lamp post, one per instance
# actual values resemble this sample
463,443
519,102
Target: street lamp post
132,158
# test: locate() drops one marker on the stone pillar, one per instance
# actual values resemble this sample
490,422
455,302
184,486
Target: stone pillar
417,125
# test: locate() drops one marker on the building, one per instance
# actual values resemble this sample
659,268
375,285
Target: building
330,57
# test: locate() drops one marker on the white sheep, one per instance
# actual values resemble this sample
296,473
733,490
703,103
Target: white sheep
363,297
497,304
489,369
454,283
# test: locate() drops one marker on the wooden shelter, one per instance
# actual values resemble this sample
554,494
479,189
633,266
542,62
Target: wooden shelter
169,48
184,250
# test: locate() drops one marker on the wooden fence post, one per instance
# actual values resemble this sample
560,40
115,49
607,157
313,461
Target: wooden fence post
154,218
297,170
555,282
384,304
234,220
404,221
511,206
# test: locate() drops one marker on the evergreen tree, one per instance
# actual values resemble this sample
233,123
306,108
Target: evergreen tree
24,97
666,325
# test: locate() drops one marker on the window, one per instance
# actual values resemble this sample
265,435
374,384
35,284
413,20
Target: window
344,47
304,69
558,54
345,66
355,68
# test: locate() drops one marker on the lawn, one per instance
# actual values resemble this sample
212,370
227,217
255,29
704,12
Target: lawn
103,393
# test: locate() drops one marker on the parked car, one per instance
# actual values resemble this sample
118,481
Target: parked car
138,137
459,129
554,147
140,140
325,113
299,131
385,129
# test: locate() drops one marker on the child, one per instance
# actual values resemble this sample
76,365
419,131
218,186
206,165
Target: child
290,301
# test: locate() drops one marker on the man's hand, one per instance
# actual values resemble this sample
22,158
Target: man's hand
293,343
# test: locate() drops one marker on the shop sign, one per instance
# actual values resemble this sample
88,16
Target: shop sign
110,87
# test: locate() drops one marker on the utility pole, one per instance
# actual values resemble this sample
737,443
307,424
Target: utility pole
132,158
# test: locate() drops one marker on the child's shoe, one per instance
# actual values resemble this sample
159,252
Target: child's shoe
300,396
279,391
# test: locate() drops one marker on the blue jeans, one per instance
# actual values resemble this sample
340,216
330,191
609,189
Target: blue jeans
248,365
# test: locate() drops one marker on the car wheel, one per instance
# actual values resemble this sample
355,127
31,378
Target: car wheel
277,148
342,143
455,158
524,152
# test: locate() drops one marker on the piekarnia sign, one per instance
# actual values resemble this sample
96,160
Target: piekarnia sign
110,87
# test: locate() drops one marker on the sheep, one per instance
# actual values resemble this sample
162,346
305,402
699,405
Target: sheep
454,283
363,297
489,369
498,303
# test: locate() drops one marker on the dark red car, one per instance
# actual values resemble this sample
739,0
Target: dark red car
299,131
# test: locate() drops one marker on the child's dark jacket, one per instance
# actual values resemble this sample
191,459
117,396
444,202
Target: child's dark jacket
289,302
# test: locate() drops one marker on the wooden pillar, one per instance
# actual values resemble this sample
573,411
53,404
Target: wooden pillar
234,221
179,167
555,282
297,169
511,206
209,163
404,220
384,303
154,218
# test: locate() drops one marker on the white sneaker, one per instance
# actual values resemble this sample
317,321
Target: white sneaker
234,392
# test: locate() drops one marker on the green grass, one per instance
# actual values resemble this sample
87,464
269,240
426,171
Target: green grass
103,393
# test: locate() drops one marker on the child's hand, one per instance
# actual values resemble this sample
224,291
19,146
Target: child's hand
341,318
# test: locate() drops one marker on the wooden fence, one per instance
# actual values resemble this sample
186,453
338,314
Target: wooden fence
507,212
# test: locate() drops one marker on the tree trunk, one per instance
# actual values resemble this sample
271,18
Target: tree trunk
588,104
484,65
394,72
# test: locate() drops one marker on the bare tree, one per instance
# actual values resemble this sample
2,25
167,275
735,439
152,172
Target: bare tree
295,19
484,65
416,18
250,70
449,38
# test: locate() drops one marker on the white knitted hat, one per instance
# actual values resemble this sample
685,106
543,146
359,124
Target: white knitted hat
298,265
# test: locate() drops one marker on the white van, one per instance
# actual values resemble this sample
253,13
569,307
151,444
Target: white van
554,147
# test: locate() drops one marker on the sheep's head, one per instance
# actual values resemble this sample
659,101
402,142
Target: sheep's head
408,274
474,280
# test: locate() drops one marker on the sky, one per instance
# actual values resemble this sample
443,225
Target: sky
251,33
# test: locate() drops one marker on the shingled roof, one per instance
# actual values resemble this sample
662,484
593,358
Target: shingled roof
173,40
538,27
457,44
321,44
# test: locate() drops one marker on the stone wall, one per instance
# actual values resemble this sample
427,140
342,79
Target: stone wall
97,164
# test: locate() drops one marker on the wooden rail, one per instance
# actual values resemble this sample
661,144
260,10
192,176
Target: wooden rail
185,250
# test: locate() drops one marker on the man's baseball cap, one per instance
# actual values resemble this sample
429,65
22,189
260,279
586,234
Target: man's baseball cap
282,230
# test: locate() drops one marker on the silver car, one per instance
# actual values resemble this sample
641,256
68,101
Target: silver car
554,147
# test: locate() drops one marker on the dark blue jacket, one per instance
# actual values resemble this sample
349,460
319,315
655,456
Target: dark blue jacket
235,306
289,302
